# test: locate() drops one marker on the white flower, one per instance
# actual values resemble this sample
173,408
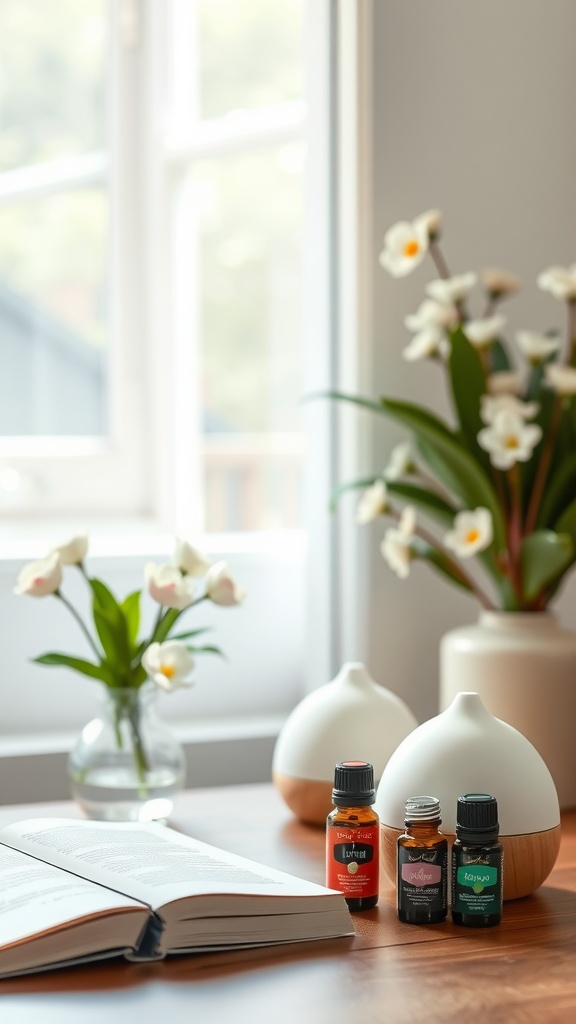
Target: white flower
509,439
73,551
432,314
452,289
427,343
431,221
221,588
168,586
401,461
491,405
168,664
536,347
508,382
373,502
38,579
405,246
189,560
472,532
499,283
561,378
560,281
396,546
483,332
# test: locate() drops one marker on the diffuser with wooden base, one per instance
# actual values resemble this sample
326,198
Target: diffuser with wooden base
466,750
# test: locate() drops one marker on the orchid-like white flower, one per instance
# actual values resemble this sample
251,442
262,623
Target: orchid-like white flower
189,560
432,314
561,378
405,246
505,382
499,283
40,578
559,281
484,332
426,344
509,439
452,290
373,503
536,347
221,588
431,220
168,586
472,532
168,664
396,546
491,405
73,551
401,461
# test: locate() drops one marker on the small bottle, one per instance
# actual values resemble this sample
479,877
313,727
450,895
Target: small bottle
422,864
477,862
353,836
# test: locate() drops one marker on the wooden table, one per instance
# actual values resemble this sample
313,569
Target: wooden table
521,971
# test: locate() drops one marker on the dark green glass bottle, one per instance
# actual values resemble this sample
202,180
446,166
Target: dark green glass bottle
477,863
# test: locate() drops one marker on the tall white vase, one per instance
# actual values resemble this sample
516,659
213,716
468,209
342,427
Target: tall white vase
523,666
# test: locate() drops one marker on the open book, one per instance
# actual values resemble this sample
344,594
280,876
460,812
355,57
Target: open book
76,891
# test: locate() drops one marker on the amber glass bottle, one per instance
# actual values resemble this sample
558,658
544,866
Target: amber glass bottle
422,864
353,836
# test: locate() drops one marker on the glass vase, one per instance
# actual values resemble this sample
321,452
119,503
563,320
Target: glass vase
126,764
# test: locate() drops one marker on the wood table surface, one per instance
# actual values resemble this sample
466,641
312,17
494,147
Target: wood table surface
523,970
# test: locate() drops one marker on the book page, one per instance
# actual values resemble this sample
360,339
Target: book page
150,862
35,897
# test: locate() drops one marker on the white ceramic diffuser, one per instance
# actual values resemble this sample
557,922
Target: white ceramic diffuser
466,750
350,718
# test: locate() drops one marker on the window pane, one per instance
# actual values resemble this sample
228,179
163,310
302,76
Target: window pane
51,79
52,315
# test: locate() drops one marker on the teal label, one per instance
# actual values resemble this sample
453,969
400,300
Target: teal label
477,878
477,883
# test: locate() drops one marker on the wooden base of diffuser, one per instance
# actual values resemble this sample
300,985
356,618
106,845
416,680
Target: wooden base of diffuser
308,799
528,859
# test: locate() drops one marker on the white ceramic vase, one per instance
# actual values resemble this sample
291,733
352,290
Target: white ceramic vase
465,749
351,718
523,665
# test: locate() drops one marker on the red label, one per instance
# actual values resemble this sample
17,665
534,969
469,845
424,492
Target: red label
352,860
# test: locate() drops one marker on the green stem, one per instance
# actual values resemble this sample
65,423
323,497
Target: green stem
456,568
515,532
543,466
438,259
72,610
571,353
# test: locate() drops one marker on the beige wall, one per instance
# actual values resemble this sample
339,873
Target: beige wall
473,113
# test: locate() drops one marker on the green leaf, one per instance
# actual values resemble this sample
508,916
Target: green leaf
440,562
432,503
544,557
341,396
499,358
130,608
113,636
353,485
559,493
189,633
209,649
457,469
166,623
468,385
87,668
566,523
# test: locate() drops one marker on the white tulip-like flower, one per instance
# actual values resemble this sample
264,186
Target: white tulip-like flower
561,378
509,439
396,546
41,578
221,588
484,332
472,532
432,314
168,664
500,283
452,289
559,281
73,551
536,347
405,246
168,586
492,405
373,503
427,343
401,461
189,560
505,382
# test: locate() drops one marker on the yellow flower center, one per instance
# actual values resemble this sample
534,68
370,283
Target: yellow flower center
511,441
168,670
411,248
472,535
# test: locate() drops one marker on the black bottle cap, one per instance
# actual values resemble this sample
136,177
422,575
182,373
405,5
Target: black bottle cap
353,784
477,817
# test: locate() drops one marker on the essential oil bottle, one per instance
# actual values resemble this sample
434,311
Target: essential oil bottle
422,864
353,836
477,863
